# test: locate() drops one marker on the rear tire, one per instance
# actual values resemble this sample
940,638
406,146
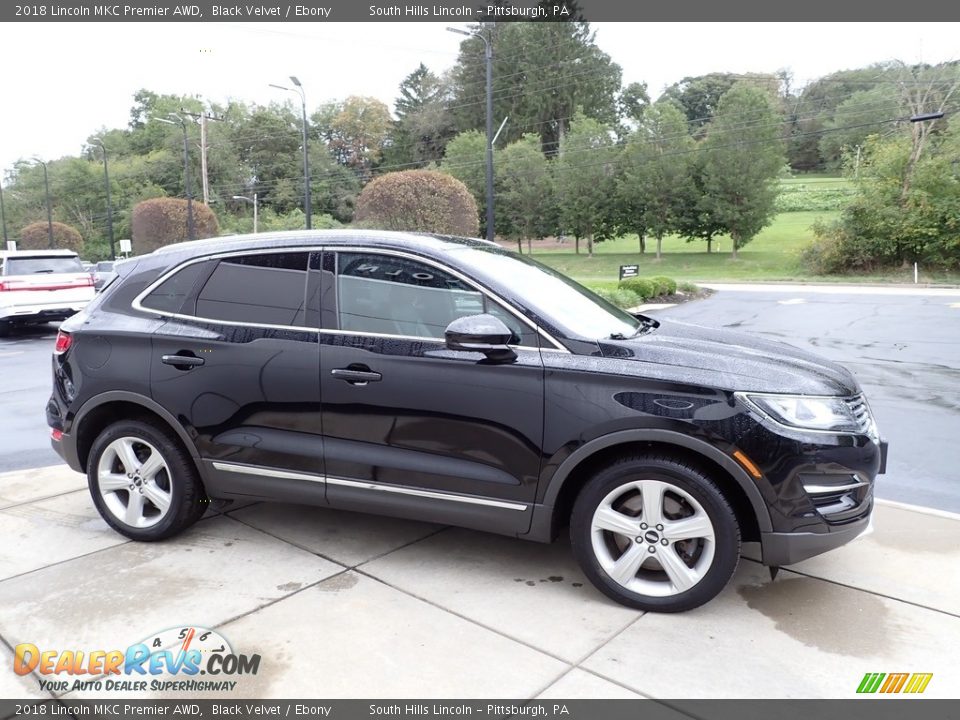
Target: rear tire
655,533
143,482
4,328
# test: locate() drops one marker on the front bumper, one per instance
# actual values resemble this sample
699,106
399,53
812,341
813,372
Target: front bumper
789,548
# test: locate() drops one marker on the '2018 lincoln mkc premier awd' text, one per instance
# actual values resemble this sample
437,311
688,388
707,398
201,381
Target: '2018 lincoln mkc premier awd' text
449,380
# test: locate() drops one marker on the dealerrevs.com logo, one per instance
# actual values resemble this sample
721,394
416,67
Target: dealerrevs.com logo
889,683
170,660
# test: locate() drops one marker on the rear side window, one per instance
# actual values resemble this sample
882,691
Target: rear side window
266,289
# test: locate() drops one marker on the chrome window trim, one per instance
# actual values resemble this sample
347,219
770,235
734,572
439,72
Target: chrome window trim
366,485
138,306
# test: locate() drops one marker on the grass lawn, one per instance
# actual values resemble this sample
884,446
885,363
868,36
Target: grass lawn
774,255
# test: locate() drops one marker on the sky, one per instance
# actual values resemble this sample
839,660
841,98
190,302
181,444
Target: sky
54,101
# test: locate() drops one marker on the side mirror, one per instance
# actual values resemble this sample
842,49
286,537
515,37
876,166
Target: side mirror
481,333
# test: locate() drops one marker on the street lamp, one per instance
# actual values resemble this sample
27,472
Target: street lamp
306,162
106,180
186,169
254,203
46,187
489,56
3,215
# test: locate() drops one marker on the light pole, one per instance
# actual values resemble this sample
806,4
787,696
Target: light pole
46,188
186,169
254,202
306,161
106,180
489,56
3,215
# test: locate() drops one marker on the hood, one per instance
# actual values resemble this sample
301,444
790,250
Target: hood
731,360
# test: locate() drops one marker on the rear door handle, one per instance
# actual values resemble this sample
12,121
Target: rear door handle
356,377
182,362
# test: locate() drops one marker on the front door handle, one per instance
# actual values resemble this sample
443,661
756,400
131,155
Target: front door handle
182,362
356,375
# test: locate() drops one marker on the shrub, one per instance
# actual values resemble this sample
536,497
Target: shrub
35,236
418,200
620,297
162,221
665,285
640,286
688,287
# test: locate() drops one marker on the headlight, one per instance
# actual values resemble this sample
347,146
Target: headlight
828,414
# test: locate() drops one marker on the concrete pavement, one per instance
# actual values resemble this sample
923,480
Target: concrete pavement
340,604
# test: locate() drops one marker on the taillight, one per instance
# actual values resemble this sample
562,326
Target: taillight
4,286
64,341
56,434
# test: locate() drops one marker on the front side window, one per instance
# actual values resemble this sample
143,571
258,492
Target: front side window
392,295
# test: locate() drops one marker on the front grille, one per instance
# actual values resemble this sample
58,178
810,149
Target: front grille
864,418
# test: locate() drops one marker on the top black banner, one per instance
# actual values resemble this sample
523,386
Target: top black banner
315,11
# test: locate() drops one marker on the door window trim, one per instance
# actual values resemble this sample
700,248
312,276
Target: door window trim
136,304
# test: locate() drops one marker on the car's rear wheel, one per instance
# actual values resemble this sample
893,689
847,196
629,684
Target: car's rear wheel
4,328
143,482
655,533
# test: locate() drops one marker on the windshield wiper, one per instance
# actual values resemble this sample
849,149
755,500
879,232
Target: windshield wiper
646,325
37,272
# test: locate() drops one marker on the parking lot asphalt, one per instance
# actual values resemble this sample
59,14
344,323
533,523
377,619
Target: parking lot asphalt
339,604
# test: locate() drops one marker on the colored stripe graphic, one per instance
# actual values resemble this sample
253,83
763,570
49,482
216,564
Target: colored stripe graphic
870,682
894,683
918,682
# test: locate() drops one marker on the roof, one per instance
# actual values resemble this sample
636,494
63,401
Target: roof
290,238
62,252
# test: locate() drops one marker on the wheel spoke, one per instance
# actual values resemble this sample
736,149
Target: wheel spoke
681,577
606,518
128,458
652,493
151,466
111,482
695,526
625,568
134,512
160,498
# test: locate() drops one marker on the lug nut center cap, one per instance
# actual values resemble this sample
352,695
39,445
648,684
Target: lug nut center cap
651,536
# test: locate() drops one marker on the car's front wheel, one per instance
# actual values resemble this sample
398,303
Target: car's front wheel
655,533
143,482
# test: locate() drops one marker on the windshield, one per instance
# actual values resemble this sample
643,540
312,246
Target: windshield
41,264
568,304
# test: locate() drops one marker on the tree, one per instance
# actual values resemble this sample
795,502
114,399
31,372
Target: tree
357,130
524,197
424,123
584,179
163,221
543,71
465,160
418,200
743,157
881,227
36,236
855,119
655,168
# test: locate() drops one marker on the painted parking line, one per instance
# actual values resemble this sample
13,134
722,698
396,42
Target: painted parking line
792,301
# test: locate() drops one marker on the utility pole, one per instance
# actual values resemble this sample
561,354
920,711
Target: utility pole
186,169
3,216
203,158
46,187
106,179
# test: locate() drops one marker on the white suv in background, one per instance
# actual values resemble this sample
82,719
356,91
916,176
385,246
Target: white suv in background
38,286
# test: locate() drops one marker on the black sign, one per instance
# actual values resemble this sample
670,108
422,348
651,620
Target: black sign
629,271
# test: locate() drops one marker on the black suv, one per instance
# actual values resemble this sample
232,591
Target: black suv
449,380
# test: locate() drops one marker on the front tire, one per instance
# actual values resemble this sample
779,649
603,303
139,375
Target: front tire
655,533
143,482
